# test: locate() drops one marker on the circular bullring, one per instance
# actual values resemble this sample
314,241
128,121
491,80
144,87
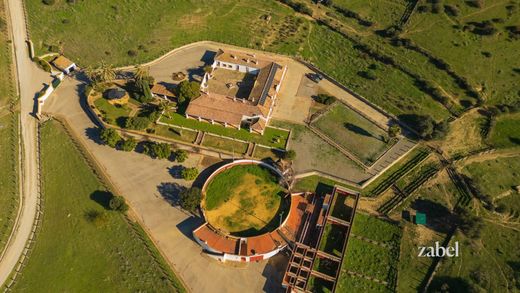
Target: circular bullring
245,198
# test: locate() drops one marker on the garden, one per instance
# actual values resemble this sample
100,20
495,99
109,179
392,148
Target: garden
245,200
376,229
354,132
333,238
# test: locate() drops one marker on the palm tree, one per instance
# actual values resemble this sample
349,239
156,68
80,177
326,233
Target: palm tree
91,73
141,73
106,72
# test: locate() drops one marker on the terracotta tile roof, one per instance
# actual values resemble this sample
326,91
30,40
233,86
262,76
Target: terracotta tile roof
264,84
161,89
221,108
260,244
215,241
62,63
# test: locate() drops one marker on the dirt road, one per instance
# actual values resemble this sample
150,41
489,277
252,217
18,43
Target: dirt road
30,81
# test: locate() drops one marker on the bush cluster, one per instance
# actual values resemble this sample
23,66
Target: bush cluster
324,99
298,6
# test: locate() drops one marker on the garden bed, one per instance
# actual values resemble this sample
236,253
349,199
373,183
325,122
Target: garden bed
333,238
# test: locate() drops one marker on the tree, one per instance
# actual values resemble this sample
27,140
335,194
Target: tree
441,129
137,123
110,137
141,73
470,224
129,144
145,89
161,150
118,203
187,90
181,155
190,198
325,99
106,72
394,130
189,173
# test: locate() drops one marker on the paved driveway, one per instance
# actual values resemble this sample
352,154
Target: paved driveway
144,182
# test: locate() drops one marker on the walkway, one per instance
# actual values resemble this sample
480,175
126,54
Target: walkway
30,80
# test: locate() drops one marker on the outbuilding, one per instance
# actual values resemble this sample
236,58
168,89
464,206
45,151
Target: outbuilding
64,64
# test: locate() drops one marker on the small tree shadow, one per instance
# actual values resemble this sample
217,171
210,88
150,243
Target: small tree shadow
357,129
93,134
514,140
440,218
170,192
102,197
176,171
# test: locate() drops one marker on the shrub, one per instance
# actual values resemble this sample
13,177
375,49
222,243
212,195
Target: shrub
470,224
451,10
98,218
110,137
475,3
190,198
137,123
394,130
132,53
325,99
49,2
144,85
118,203
189,173
129,144
289,155
368,74
181,155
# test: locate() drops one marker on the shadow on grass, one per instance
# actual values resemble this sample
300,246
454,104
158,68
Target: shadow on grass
439,217
450,284
359,130
102,197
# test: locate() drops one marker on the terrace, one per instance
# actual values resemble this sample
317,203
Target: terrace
231,83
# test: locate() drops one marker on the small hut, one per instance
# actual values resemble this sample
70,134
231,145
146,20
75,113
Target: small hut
117,96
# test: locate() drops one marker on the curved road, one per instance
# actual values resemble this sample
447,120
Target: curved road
30,80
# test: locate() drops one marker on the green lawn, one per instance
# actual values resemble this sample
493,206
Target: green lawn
494,177
272,137
8,181
376,229
354,132
175,133
71,253
382,13
370,259
236,147
348,283
112,114
506,132
218,190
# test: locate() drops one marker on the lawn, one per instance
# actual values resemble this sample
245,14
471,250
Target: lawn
313,153
244,200
371,259
272,137
236,147
376,229
333,238
354,132
506,132
8,181
110,254
349,283
176,133
495,177
112,114
383,13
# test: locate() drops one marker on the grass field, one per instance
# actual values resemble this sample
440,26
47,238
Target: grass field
353,132
176,133
110,254
333,238
495,177
6,84
376,229
236,147
185,22
272,137
506,132
8,181
244,200
491,265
